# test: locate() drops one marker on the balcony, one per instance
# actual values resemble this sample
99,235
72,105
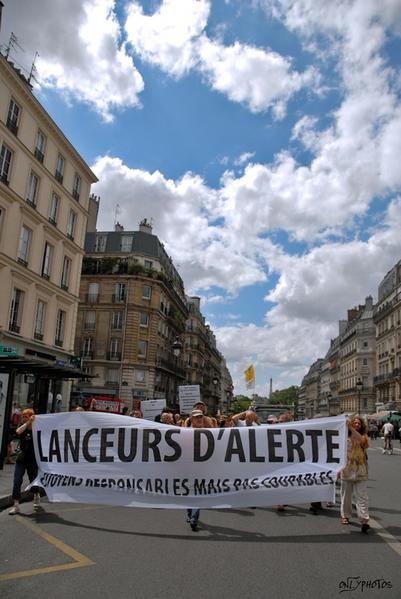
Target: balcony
12,126
75,195
117,299
114,356
92,298
22,261
38,155
14,327
87,355
31,203
4,178
64,287
59,177
58,342
52,221
38,336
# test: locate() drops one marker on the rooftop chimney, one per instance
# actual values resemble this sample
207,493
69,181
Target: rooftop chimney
118,227
145,227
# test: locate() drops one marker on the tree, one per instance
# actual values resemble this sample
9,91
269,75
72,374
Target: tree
240,403
286,396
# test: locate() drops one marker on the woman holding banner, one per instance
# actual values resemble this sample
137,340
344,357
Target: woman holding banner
355,474
25,462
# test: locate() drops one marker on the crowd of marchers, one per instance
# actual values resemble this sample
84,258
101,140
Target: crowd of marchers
352,479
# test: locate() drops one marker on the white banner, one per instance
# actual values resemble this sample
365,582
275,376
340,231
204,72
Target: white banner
91,457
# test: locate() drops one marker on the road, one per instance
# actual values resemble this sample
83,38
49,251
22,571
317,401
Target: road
80,551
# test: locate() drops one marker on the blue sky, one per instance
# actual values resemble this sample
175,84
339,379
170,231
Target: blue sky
261,137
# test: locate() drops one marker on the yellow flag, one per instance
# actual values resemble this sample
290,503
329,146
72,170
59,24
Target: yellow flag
250,377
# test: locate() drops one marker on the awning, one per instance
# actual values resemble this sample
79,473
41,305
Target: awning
22,365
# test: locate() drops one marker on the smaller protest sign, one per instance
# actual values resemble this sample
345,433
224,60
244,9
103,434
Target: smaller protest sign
188,396
150,408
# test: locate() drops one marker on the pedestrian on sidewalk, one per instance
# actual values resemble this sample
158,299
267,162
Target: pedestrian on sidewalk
25,462
355,474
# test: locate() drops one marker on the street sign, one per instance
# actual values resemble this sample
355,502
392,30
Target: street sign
188,396
8,350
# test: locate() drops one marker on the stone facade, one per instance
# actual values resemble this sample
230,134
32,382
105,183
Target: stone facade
44,195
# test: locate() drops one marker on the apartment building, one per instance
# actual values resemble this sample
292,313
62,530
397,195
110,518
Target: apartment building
357,360
308,397
387,319
132,310
44,195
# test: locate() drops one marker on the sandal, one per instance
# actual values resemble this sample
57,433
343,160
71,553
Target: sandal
344,520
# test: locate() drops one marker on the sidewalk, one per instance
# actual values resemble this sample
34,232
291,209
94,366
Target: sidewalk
6,485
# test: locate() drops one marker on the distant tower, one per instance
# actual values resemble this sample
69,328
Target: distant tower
271,388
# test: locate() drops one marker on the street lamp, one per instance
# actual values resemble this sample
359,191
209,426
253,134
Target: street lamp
177,349
359,386
215,382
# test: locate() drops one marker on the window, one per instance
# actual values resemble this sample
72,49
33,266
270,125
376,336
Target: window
76,186
40,143
17,304
87,348
113,375
65,275
142,348
24,242
59,172
90,320
39,320
148,264
13,116
114,349
144,319
100,243
72,219
93,293
33,188
5,164
54,208
146,292
119,292
60,327
47,259
117,320
126,243
365,362
140,376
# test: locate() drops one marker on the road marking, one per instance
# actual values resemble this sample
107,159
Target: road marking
80,561
387,537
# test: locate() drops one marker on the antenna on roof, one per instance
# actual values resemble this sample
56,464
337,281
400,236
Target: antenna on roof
34,70
116,212
12,43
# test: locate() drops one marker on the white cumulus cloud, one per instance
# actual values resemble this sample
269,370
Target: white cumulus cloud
79,51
